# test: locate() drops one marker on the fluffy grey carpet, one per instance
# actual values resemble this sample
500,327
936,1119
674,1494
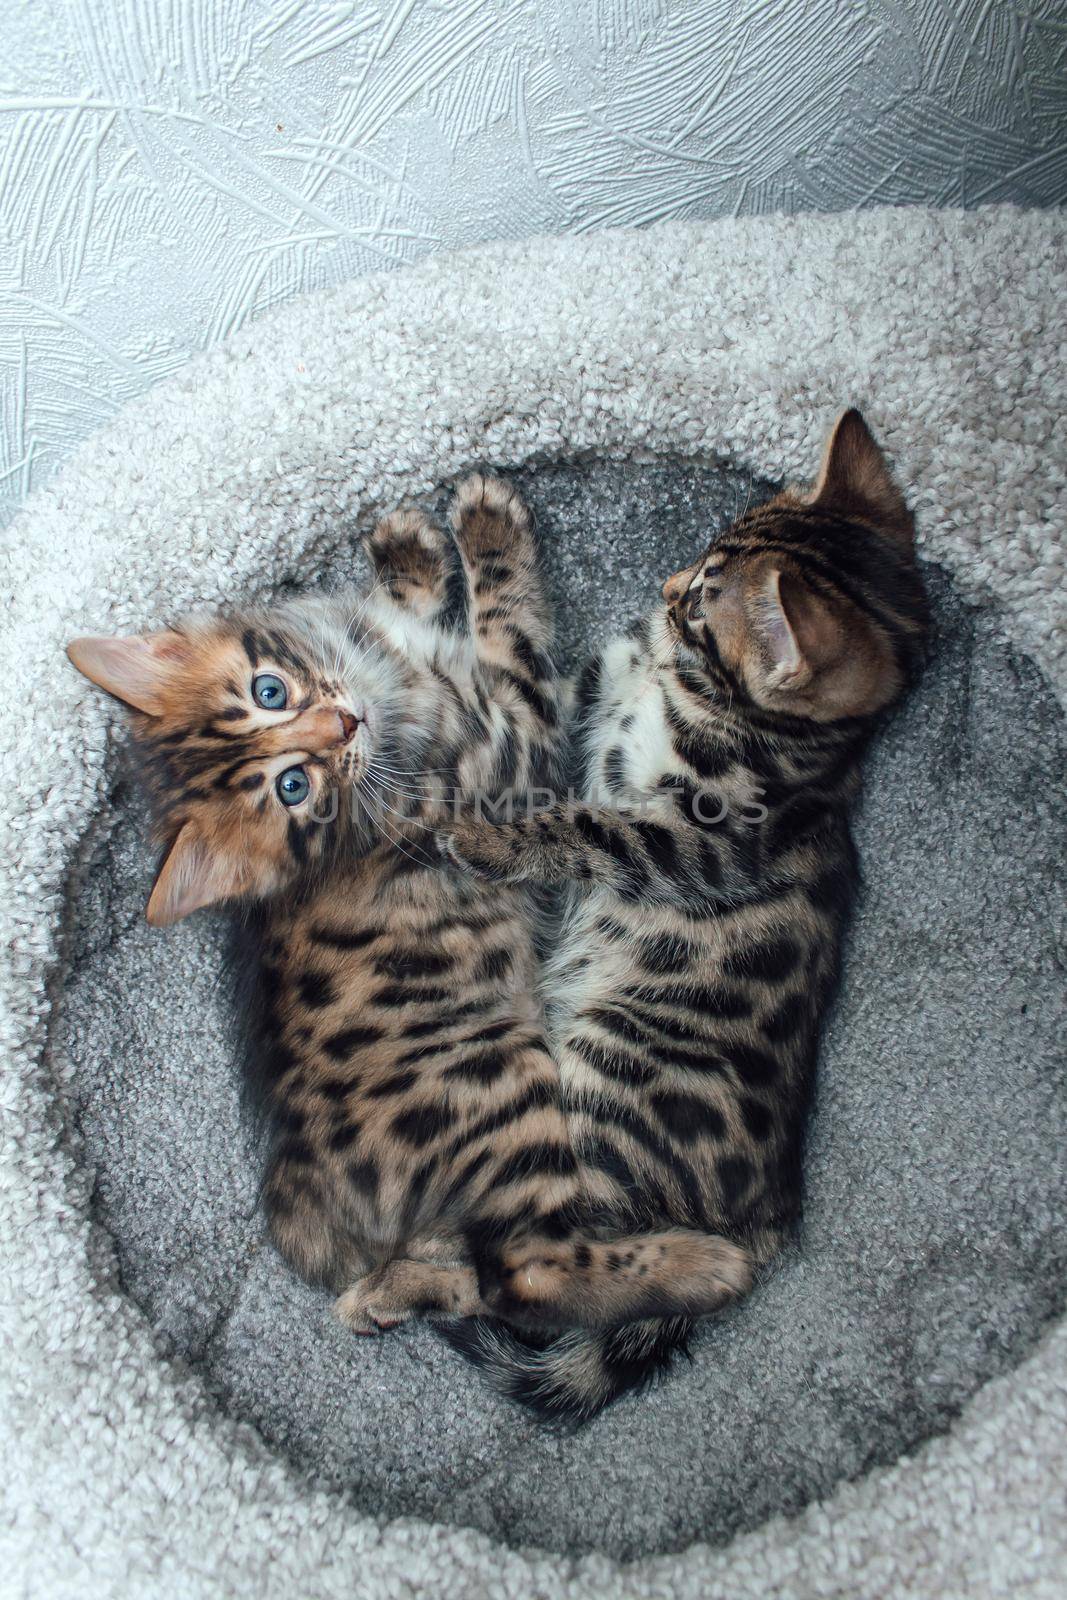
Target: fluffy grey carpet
934,1247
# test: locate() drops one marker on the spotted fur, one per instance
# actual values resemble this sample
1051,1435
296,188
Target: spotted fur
421,1161
712,871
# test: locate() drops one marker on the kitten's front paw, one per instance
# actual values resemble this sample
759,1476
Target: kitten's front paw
445,846
474,847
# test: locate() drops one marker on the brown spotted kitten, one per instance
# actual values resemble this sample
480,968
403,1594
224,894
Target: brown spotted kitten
699,948
300,759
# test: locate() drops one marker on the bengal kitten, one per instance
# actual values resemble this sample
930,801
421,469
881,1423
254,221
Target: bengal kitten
701,944
300,760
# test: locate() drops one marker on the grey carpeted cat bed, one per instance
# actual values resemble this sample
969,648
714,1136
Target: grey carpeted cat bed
183,1416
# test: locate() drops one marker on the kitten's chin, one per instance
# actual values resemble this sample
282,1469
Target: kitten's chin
664,633
677,640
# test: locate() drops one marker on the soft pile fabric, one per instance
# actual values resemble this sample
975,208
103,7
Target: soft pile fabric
933,1252
935,1239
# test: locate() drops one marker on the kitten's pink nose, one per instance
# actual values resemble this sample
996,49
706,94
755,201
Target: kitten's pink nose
349,724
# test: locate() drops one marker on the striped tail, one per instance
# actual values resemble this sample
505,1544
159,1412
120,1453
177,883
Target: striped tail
576,1374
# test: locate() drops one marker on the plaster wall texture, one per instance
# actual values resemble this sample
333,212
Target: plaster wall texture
170,169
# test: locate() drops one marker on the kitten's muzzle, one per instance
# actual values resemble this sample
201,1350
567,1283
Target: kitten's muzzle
683,616
678,585
320,731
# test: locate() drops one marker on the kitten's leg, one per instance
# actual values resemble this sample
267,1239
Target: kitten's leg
601,1283
406,1288
509,619
304,1226
655,855
409,554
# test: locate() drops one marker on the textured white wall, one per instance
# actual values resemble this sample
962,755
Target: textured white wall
169,168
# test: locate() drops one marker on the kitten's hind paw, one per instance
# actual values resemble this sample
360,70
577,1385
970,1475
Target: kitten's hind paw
356,1310
489,517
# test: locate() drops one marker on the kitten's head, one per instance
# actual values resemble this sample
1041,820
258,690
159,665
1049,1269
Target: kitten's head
256,732
811,605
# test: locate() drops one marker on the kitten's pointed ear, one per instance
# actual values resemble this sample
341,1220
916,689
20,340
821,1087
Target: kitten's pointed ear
776,634
796,630
192,876
855,479
135,670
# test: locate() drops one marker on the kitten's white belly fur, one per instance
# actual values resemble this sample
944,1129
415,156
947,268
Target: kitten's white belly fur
585,968
629,694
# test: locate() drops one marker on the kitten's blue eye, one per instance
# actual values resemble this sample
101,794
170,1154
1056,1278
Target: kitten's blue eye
269,692
292,786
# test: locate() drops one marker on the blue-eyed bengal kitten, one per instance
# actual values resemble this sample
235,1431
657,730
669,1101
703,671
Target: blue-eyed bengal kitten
301,759
700,945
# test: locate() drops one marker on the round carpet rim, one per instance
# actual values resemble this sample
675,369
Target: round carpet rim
678,377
